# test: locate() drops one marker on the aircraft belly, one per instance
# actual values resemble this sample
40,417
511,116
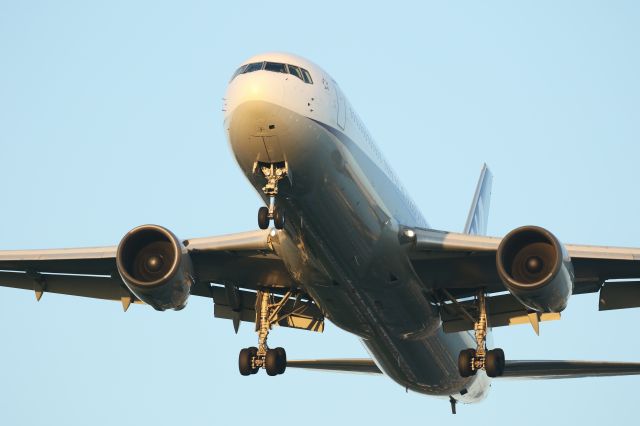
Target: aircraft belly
432,365
341,245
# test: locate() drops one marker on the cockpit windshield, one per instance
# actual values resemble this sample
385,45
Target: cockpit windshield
296,71
275,67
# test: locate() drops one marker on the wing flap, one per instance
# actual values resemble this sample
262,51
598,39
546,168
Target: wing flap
620,295
502,310
236,304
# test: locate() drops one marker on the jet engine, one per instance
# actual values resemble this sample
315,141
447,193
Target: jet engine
156,267
536,269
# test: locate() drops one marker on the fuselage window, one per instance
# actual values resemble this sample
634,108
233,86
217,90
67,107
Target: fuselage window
307,76
293,70
256,66
275,67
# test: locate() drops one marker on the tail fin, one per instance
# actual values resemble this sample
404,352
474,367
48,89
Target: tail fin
479,212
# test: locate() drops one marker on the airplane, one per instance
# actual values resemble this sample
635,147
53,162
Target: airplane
339,239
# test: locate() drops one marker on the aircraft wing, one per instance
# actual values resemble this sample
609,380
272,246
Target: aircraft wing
456,265
513,369
227,268
468,261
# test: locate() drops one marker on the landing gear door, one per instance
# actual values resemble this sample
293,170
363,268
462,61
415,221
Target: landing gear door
342,109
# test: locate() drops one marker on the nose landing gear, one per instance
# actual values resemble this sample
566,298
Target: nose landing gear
472,360
273,360
265,214
273,173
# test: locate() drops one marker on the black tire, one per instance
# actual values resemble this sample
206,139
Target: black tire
282,360
254,352
244,362
464,362
494,363
263,217
271,362
278,218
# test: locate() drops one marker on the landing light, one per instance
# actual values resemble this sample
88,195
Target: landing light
407,236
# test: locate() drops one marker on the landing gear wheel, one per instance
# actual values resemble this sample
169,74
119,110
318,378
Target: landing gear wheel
494,363
282,360
244,362
465,358
272,362
263,217
254,352
278,218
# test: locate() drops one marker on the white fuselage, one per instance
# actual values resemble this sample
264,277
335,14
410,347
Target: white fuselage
345,208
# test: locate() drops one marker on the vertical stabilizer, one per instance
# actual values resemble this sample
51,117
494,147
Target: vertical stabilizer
479,212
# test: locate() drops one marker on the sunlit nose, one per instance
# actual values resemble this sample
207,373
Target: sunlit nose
257,86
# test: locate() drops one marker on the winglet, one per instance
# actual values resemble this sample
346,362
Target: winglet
479,211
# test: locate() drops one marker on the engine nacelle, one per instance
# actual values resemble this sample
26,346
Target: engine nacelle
536,268
156,267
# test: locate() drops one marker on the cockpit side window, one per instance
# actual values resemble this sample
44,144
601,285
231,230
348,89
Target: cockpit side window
301,73
307,76
276,67
293,70
238,72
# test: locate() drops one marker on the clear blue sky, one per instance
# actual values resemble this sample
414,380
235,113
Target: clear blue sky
110,118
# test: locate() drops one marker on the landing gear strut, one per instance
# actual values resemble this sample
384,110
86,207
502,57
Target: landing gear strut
273,360
273,173
472,360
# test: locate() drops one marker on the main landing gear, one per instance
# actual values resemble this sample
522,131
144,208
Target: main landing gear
273,360
273,173
472,360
